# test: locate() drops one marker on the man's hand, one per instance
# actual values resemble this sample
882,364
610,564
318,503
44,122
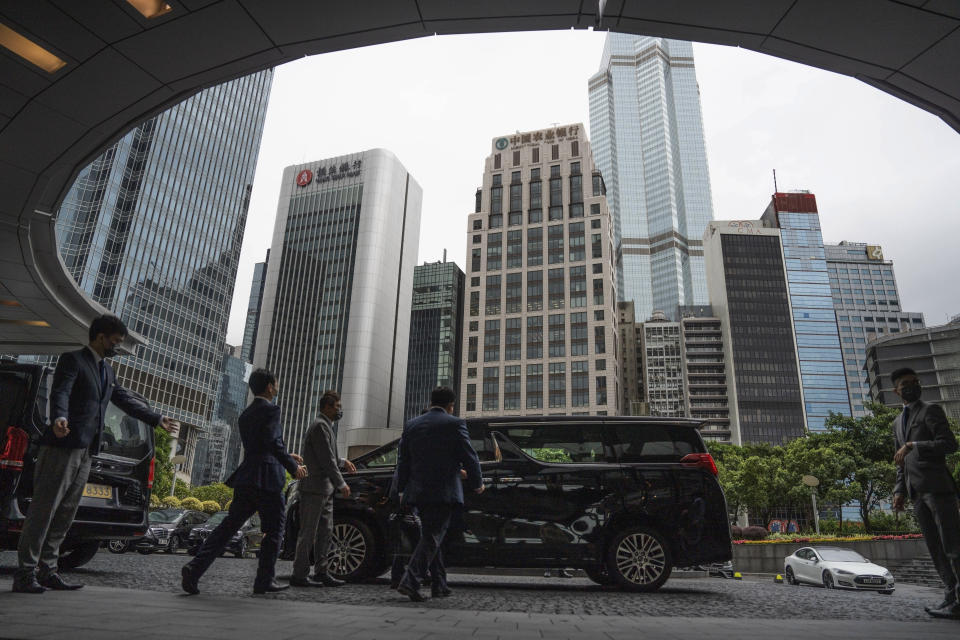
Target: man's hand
301,472
345,491
901,454
463,474
898,502
349,467
60,428
297,458
169,425
480,489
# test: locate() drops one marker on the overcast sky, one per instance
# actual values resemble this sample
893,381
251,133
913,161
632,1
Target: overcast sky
883,171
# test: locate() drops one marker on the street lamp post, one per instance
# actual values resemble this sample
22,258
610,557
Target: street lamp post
812,482
176,461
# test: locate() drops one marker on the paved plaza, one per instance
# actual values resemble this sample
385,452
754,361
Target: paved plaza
132,595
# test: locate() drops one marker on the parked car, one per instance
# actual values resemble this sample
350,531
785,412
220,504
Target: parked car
247,538
625,499
836,568
116,498
169,530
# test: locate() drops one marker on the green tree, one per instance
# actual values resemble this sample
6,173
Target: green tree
210,506
218,492
191,503
162,470
171,502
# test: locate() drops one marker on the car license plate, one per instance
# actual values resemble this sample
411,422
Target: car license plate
104,491
874,581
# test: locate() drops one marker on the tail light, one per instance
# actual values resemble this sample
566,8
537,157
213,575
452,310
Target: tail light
702,460
153,465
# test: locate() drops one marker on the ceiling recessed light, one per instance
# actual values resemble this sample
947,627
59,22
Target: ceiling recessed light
9,303
150,8
28,323
29,50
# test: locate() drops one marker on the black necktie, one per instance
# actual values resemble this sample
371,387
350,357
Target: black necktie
103,377
904,421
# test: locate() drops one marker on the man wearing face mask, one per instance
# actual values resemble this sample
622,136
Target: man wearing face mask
83,385
924,440
316,495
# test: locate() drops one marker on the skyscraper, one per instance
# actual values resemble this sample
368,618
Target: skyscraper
152,229
546,318
253,310
647,135
748,289
436,334
867,304
336,304
815,323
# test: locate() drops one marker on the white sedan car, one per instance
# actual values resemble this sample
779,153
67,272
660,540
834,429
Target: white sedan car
836,568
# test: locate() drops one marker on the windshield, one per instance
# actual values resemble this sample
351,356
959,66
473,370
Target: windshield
165,516
841,555
216,518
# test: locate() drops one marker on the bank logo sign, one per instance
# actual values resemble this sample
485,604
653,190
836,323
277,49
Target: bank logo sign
329,173
304,178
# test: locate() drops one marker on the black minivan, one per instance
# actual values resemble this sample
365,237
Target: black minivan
625,499
117,495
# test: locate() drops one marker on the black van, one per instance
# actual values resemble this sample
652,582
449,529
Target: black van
626,499
117,496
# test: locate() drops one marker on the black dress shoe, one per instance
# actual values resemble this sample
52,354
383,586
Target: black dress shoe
273,587
328,580
55,582
29,585
189,582
410,592
437,592
946,603
950,612
304,582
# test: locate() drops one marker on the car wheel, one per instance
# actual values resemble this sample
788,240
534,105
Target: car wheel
242,551
598,573
117,546
639,559
174,545
828,581
791,579
78,555
353,553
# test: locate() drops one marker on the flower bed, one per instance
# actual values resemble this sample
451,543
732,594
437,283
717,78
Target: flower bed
778,538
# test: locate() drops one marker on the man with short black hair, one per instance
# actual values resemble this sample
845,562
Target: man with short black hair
923,441
434,448
316,495
83,385
258,488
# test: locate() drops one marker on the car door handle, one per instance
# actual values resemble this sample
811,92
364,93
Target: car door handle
511,479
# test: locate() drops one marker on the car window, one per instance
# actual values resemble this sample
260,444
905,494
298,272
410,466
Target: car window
654,442
387,458
481,442
560,442
841,555
124,436
803,554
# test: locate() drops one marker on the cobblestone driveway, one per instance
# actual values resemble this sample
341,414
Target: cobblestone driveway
699,597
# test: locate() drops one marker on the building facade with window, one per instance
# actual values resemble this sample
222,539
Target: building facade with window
866,300
336,303
704,367
746,274
648,142
811,301
662,354
152,229
540,310
253,310
436,334
631,362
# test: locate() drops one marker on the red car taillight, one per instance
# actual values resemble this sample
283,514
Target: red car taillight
153,464
702,460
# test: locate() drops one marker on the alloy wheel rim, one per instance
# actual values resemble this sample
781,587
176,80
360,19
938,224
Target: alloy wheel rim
641,558
117,545
347,549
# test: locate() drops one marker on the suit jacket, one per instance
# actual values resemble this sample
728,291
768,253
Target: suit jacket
433,449
925,469
264,455
320,456
78,396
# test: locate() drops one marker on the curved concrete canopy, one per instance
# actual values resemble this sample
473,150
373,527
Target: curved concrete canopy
122,68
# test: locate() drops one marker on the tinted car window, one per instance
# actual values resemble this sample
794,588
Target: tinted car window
387,458
124,436
481,442
654,442
560,443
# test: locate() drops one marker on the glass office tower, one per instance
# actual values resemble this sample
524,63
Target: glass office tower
436,330
152,229
646,130
814,320
253,310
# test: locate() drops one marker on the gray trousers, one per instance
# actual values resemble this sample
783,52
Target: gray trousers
938,515
316,526
58,481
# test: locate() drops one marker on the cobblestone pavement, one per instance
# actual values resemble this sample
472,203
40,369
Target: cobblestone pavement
690,597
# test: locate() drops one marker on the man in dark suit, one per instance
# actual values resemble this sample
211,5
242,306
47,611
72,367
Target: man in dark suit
316,495
83,386
258,488
923,440
433,450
